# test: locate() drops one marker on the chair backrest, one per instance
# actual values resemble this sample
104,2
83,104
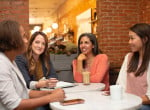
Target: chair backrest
63,66
113,75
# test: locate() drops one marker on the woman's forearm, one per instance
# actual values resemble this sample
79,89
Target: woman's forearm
36,93
40,98
34,102
79,66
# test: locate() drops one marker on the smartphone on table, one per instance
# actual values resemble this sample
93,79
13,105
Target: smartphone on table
72,101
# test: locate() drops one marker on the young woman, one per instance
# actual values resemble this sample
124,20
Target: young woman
14,94
35,63
134,75
90,58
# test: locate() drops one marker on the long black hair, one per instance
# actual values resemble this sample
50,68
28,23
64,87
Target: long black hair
143,31
94,42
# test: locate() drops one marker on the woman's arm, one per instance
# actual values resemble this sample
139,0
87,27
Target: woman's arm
78,67
79,64
145,100
40,98
123,73
148,82
77,75
37,93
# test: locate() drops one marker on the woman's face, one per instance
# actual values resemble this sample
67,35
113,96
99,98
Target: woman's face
38,45
86,45
135,42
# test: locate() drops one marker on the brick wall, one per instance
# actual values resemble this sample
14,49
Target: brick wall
145,11
16,10
114,19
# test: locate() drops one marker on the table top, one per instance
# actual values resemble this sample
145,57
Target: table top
80,87
94,100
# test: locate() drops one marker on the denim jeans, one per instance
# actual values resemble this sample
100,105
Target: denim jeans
45,107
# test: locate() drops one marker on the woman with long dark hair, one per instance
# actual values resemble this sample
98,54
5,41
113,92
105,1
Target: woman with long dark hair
134,75
90,59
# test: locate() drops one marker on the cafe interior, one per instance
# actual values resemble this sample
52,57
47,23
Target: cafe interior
109,20
64,20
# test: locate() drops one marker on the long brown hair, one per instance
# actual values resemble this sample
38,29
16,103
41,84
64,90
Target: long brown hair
44,57
143,31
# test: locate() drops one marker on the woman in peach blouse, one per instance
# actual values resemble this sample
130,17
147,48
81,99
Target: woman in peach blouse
90,59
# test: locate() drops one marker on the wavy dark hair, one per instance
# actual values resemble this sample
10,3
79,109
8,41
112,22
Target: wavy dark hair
93,40
143,31
44,57
10,36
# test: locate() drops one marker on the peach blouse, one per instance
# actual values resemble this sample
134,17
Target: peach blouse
99,71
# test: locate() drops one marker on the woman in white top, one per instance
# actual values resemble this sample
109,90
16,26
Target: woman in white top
14,94
134,75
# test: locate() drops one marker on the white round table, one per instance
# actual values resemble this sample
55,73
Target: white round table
94,100
83,88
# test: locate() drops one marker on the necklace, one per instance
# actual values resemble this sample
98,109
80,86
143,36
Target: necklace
89,63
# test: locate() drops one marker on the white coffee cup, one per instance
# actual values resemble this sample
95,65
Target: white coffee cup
116,92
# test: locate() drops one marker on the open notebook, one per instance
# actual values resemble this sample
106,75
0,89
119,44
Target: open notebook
62,84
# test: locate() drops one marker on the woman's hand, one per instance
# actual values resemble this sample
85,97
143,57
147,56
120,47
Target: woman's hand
58,95
42,83
52,82
81,57
145,100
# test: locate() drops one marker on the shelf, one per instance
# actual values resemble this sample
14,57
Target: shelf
93,21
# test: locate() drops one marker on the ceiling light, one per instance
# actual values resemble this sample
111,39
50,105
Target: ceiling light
54,25
37,28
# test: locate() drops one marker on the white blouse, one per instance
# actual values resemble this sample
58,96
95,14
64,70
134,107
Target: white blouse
122,78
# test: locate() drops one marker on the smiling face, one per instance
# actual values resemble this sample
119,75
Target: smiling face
135,42
38,45
86,45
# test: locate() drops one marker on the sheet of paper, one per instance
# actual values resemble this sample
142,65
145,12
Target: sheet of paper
62,84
